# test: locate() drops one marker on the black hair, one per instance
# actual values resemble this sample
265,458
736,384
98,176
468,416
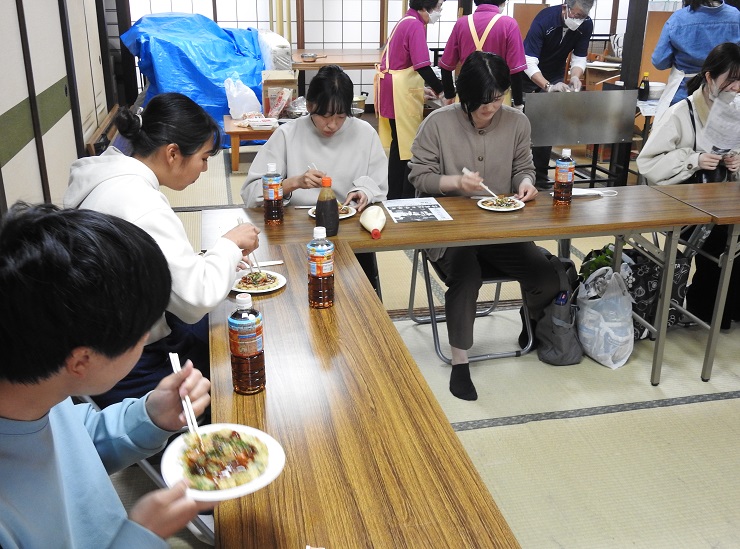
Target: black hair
483,77
493,2
695,4
74,278
724,58
428,5
169,118
330,92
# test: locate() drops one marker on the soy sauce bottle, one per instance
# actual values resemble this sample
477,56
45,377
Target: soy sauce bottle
327,208
643,91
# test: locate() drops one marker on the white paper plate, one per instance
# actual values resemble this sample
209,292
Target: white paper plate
518,206
172,469
352,211
280,278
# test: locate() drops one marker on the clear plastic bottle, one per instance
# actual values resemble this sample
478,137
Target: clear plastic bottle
272,192
320,252
327,208
643,90
565,170
246,346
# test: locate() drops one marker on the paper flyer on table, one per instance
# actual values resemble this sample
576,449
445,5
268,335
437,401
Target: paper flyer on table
405,210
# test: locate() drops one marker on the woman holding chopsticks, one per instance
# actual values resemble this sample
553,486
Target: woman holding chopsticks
171,141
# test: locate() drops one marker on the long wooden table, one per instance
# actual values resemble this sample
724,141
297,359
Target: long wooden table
720,201
371,459
349,59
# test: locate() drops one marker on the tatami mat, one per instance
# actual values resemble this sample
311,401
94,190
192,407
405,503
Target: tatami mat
658,478
587,457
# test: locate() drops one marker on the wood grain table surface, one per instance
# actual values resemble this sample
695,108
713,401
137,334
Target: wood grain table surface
371,459
347,59
635,209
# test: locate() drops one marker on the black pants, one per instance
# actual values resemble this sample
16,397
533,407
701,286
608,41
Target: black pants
187,340
702,293
398,170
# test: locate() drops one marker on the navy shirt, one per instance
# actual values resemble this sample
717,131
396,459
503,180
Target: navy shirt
546,41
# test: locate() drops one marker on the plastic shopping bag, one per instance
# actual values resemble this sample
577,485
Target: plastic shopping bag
604,318
242,100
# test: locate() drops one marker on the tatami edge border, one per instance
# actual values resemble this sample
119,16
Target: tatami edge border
596,411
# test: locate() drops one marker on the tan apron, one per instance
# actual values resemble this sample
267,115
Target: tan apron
408,102
671,87
479,41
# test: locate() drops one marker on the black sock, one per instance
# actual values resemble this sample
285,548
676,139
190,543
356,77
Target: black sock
460,384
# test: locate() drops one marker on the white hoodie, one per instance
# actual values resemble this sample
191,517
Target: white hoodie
119,185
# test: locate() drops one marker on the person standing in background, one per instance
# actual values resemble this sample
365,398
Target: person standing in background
485,30
685,41
400,76
555,33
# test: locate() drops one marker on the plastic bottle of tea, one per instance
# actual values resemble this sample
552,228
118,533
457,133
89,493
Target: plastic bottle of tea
320,252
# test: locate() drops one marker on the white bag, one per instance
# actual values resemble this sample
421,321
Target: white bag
242,100
604,318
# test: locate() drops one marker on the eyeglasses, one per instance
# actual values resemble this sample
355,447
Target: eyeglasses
577,16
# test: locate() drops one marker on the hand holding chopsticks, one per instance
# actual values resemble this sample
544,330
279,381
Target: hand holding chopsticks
251,256
466,171
187,406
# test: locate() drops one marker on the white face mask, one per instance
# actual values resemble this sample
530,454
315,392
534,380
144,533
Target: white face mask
725,96
434,16
570,22
573,24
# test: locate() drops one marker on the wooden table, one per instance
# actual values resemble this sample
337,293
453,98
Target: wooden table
720,200
347,59
371,459
239,133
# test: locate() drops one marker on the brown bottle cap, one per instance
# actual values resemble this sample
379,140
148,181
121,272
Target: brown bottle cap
326,181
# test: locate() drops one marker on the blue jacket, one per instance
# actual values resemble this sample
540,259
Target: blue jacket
546,41
688,37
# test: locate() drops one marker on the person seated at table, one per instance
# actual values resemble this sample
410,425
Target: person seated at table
328,142
676,152
80,292
171,140
493,141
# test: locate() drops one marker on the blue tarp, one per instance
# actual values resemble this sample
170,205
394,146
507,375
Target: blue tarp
192,55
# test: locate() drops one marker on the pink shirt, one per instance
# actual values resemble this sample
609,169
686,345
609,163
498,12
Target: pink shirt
408,48
504,40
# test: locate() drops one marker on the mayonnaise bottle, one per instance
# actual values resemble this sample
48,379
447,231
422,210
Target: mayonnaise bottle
373,219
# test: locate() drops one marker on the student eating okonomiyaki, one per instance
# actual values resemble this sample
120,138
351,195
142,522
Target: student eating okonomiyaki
493,141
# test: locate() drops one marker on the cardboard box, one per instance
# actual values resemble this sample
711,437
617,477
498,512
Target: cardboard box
596,76
273,82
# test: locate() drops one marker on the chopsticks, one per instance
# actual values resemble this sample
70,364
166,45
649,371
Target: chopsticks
239,221
187,406
466,171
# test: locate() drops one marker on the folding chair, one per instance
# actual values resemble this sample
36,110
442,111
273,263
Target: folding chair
196,526
433,318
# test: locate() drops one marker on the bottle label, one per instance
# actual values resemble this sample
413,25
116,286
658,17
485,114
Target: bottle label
320,260
245,334
272,187
564,171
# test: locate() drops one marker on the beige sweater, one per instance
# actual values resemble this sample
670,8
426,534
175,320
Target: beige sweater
447,142
668,157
